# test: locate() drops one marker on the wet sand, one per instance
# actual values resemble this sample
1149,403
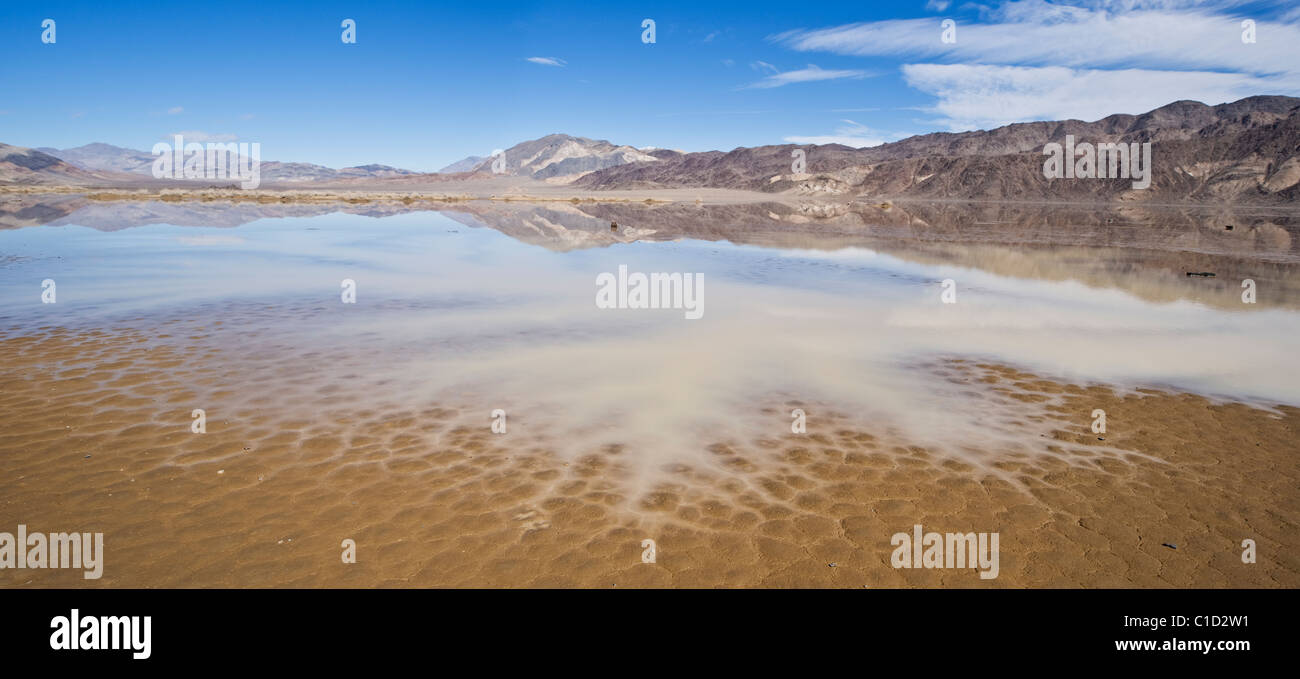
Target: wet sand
95,436
371,421
430,192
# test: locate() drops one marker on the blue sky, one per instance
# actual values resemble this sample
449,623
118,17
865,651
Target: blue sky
429,83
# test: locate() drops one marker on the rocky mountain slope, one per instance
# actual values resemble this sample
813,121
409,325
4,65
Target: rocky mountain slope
100,157
19,165
1247,150
462,165
562,157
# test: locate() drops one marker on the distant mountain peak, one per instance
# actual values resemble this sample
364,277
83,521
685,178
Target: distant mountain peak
101,157
562,156
22,165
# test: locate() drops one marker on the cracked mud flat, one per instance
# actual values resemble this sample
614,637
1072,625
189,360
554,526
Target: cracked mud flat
372,423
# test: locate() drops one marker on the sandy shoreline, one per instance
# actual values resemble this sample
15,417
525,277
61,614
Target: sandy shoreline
371,423
451,193
95,436
527,191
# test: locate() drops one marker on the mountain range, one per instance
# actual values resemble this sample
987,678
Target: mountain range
560,156
1246,151
106,158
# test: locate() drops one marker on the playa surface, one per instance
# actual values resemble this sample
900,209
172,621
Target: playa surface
373,421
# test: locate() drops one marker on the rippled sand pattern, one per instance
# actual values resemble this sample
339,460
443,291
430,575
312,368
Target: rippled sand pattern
95,436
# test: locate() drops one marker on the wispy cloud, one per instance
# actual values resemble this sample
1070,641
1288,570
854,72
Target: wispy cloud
975,96
175,110
763,66
547,61
805,75
849,133
1034,33
1030,59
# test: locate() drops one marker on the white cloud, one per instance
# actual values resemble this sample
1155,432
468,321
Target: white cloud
1033,60
849,134
982,96
547,61
1038,34
175,109
810,74
763,66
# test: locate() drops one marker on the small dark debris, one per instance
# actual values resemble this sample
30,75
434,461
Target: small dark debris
831,564
1227,228
1101,438
1203,274
1166,544
613,226
87,457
